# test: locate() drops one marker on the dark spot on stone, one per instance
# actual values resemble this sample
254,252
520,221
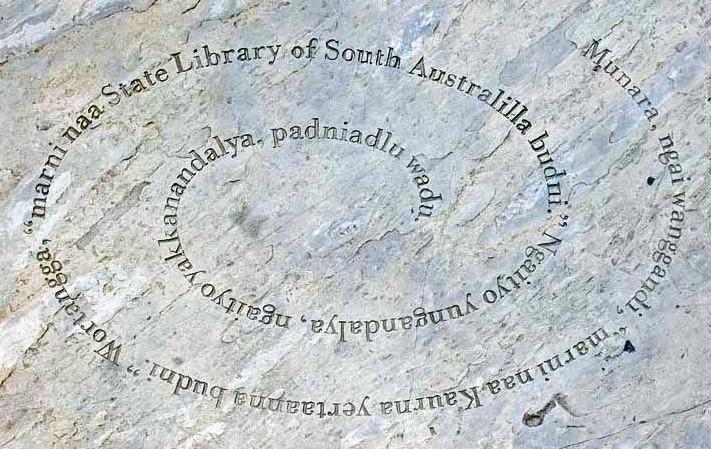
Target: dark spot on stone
532,419
629,347
650,180
433,431
177,360
535,419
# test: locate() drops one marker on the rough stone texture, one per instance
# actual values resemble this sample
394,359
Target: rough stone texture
319,228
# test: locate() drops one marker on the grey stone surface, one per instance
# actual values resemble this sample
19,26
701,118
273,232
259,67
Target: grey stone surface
319,227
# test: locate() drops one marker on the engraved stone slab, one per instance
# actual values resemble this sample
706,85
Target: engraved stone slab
366,225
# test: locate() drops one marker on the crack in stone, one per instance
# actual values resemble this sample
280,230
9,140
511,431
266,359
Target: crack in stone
644,421
535,418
